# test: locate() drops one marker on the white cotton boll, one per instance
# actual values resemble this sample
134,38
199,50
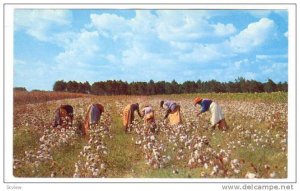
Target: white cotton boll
152,138
86,148
273,175
236,171
138,142
266,166
175,171
215,168
250,175
102,166
180,151
283,141
205,165
191,161
53,174
96,172
98,148
169,157
76,175
42,139
76,169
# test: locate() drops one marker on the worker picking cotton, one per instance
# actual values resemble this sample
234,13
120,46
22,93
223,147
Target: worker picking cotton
63,116
128,115
172,112
217,116
149,120
93,115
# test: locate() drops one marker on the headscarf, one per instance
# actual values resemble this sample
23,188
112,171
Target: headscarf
197,100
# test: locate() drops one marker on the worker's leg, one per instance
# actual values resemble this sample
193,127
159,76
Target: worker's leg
222,125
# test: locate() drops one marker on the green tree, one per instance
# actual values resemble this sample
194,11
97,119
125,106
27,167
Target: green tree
270,86
60,86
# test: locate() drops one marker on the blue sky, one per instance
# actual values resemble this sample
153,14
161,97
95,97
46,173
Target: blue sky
140,45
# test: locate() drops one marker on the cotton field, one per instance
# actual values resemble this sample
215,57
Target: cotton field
254,146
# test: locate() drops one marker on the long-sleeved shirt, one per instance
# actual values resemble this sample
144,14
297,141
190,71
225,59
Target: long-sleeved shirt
147,110
205,103
171,106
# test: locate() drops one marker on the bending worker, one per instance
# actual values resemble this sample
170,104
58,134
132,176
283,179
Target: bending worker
128,115
148,114
173,112
217,116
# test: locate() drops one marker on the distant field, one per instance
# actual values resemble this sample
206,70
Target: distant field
254,146
24,97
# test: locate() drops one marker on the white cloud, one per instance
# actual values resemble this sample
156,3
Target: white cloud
137,57
286,34
110,25
253,36
64,39
201,54
137,41
177,33
266,57
240,64
144,22
182,25
274,68
81,50
37,23
224,29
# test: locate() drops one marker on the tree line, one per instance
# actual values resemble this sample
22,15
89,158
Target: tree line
118,87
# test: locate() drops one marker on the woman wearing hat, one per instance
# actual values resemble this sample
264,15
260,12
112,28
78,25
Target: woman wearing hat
217,116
